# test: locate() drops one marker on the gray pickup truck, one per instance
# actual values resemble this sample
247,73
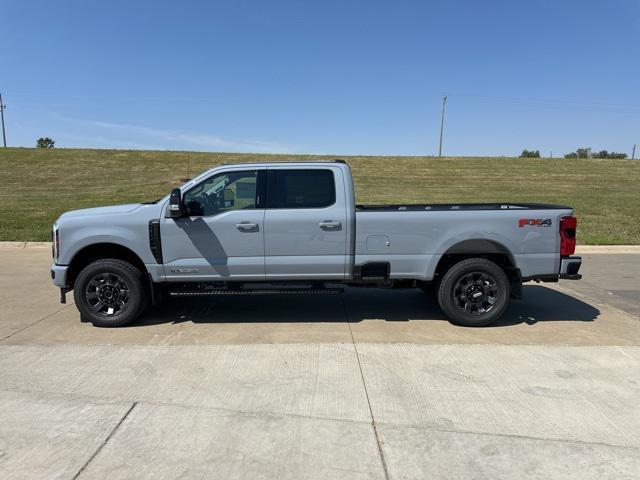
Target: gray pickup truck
294,228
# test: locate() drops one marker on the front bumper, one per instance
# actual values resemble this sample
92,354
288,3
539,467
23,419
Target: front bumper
59,275
569,268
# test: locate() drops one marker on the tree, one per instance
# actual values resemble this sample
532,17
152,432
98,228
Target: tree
530,153
45,142
584,152
580,153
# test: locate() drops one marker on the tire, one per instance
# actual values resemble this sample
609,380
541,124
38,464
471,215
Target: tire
110,293
474,292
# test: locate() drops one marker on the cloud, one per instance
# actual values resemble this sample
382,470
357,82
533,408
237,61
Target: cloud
133,135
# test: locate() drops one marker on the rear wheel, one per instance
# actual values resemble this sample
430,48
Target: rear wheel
110,293
474,292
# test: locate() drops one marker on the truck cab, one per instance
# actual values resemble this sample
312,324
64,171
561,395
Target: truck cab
227,227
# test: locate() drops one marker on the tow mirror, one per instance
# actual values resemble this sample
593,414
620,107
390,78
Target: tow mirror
176,207
228,197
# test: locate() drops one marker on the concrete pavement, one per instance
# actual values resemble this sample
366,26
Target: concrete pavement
369,384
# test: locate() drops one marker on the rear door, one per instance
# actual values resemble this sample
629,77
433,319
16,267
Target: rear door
305,230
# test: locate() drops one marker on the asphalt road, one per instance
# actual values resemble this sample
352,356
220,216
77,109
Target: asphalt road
368,384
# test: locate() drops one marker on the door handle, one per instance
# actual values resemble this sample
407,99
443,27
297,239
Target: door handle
246,226
330,225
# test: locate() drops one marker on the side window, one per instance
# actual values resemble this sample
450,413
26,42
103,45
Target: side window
300,188
222,192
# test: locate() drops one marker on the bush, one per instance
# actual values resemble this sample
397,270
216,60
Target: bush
617,155
586,153
530,153
45,142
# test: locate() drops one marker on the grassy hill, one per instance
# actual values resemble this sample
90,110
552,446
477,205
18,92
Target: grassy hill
38,185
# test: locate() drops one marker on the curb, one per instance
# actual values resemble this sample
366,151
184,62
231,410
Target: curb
585,249
580,249
8,245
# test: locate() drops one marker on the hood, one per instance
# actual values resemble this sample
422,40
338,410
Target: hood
110,210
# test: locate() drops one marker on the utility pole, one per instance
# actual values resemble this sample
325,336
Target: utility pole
444,100
2,107
633,152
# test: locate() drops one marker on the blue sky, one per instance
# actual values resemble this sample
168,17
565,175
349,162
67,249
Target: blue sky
334,77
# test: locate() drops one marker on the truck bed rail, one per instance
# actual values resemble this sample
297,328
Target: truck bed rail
458,206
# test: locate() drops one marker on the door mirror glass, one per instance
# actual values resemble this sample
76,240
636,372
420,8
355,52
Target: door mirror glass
176,207
229,198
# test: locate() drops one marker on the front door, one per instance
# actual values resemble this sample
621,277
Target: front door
222,236
305,224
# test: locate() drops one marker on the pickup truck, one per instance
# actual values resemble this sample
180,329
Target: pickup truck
294,228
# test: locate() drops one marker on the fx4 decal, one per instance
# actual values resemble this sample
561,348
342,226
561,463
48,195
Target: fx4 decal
534,222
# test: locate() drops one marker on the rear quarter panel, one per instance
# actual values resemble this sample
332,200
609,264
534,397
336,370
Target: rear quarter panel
414,241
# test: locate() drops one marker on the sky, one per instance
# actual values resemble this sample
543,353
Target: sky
326,77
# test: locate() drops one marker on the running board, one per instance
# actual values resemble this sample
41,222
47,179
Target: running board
257,291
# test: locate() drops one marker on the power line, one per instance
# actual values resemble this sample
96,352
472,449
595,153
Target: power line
549,102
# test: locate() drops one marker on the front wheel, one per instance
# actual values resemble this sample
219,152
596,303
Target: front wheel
110,293
474,292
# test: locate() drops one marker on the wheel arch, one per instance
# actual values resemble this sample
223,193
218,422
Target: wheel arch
98,251
482,248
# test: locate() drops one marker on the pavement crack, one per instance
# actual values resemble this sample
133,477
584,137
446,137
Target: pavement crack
233,411
106,440
366,393
568,441
34,323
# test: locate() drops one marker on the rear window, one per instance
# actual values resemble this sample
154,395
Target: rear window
300,189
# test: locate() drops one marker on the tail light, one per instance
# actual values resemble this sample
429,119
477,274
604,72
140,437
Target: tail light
568,236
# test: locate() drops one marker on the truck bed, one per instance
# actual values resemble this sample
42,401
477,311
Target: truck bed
415,207
413,237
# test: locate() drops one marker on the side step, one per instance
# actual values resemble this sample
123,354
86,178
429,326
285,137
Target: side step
256,291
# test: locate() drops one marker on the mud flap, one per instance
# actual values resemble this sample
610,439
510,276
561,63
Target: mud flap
155,292
515,281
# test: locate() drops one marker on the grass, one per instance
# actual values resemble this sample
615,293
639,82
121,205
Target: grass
38,185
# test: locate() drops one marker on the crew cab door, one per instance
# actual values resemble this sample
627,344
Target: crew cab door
222,236
305,230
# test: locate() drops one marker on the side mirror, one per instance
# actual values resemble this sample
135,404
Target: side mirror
228,197
176,207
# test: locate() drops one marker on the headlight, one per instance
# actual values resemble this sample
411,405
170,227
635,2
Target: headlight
55,242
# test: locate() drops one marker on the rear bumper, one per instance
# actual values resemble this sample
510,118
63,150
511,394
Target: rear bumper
59,275
569,268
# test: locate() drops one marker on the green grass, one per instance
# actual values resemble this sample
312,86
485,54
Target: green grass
38,185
